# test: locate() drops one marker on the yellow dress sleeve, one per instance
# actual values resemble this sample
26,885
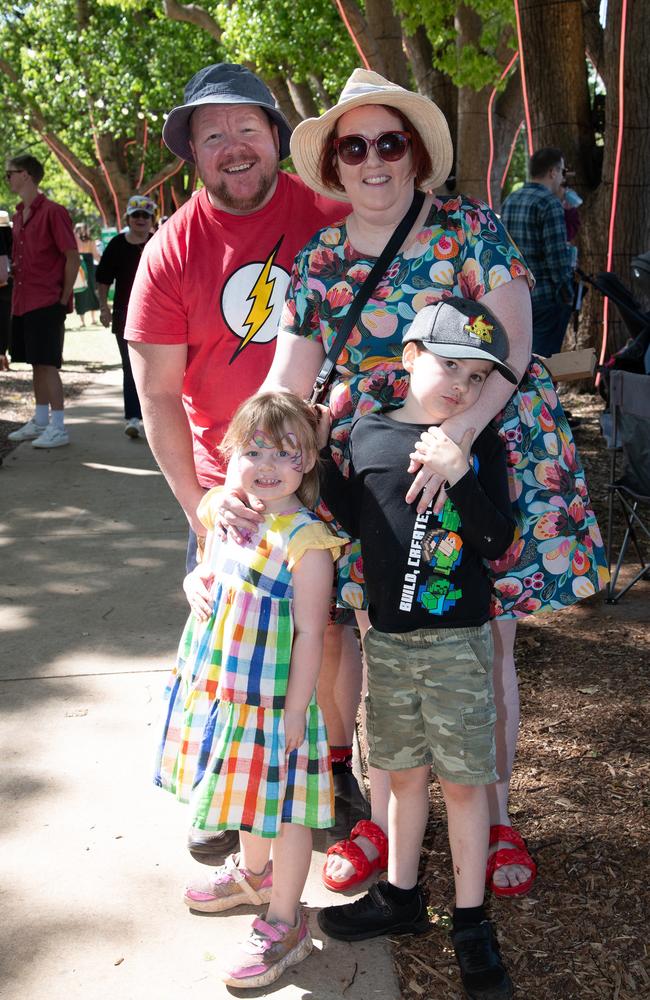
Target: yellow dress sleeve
314,536
207,508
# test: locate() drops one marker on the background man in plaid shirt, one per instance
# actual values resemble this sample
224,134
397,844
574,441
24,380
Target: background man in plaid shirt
534,217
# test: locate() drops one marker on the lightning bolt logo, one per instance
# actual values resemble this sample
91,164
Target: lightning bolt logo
260,298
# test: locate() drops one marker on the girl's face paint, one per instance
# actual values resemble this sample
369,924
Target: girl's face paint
290,450
269,472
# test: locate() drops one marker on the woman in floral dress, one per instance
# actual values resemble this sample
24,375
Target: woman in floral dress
457,246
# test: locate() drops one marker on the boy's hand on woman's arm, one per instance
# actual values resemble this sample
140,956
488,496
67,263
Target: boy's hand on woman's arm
437,458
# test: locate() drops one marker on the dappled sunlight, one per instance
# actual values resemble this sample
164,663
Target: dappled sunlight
16,618
125,470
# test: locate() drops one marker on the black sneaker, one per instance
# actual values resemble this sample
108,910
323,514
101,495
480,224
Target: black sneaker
350,806
212,848
373,915
481,969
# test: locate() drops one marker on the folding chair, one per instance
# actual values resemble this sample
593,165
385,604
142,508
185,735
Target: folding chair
629,398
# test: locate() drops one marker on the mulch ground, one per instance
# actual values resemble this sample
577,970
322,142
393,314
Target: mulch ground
579,792
580,796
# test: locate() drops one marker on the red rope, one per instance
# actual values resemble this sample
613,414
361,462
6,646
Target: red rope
103,166
144,151
617,169
352,34
491,128
511,154
524,89
72,166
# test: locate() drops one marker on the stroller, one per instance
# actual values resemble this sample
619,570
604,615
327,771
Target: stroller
634,356
625,386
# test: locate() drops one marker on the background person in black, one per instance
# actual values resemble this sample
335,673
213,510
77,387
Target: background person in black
119,264
429,651
5,289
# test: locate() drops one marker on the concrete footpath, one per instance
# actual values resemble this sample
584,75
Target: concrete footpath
93,859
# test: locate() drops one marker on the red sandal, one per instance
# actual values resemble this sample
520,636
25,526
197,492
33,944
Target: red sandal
349,850
517,855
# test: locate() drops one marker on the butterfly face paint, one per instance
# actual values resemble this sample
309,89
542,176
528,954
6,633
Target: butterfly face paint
290,450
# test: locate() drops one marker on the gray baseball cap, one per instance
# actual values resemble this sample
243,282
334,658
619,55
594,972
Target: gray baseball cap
462,328
221,83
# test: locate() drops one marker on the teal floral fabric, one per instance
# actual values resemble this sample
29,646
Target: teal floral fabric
462,249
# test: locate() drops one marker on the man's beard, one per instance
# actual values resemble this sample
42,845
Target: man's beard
221,193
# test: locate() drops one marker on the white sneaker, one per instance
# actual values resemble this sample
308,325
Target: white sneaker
132,428
27,432
52,437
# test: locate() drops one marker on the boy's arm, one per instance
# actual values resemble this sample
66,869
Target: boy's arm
483,503
312,587
340,493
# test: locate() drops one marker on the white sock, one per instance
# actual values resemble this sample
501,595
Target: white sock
57,419
42,414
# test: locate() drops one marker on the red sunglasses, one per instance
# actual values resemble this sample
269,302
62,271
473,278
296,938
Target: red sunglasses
390,146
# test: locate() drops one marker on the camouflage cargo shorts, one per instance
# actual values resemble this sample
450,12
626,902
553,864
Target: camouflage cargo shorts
431,701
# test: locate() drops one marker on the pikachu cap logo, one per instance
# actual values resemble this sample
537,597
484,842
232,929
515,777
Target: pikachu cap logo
479,327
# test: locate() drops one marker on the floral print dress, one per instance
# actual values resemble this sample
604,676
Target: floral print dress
462,249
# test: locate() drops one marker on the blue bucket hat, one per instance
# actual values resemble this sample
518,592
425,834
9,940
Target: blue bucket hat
221,83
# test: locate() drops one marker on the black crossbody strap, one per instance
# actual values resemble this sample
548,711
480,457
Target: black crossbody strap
377,272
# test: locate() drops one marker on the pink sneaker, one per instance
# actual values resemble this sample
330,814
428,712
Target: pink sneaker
271,948
230,886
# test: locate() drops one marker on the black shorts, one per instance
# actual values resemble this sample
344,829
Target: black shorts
37,336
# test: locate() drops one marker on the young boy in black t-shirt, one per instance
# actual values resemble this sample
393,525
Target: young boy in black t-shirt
430,700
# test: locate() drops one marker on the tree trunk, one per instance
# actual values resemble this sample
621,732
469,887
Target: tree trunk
431,82
632,220
472,145
507,114
556,82
387,31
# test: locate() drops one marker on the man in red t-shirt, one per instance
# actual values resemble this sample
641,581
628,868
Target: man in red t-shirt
204,312
45,263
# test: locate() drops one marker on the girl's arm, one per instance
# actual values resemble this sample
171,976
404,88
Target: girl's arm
312,587
511,304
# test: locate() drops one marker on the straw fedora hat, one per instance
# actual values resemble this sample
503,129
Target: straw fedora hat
367,87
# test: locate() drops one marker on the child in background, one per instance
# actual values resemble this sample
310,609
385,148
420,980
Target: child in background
244,739
430,699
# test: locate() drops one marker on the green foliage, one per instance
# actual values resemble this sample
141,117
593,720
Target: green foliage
290,39
106,71
476,65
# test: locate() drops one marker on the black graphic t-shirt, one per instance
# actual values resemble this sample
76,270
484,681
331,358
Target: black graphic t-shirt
421,570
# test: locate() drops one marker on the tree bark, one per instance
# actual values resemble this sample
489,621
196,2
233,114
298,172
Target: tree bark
387,31
302,99
195,15
556,81
361,32
632,219
472,146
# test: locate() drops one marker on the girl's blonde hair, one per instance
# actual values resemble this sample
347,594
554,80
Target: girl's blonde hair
275,413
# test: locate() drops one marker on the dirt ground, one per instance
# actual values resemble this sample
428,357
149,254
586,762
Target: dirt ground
580,789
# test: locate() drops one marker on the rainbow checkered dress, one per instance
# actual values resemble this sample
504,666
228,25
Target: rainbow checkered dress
222,747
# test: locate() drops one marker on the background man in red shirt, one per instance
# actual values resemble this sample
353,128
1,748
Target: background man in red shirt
45,263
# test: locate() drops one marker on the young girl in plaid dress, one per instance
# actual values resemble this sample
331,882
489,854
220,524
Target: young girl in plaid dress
244,739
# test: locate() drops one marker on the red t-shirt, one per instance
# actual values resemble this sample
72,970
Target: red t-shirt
216,282
38,255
